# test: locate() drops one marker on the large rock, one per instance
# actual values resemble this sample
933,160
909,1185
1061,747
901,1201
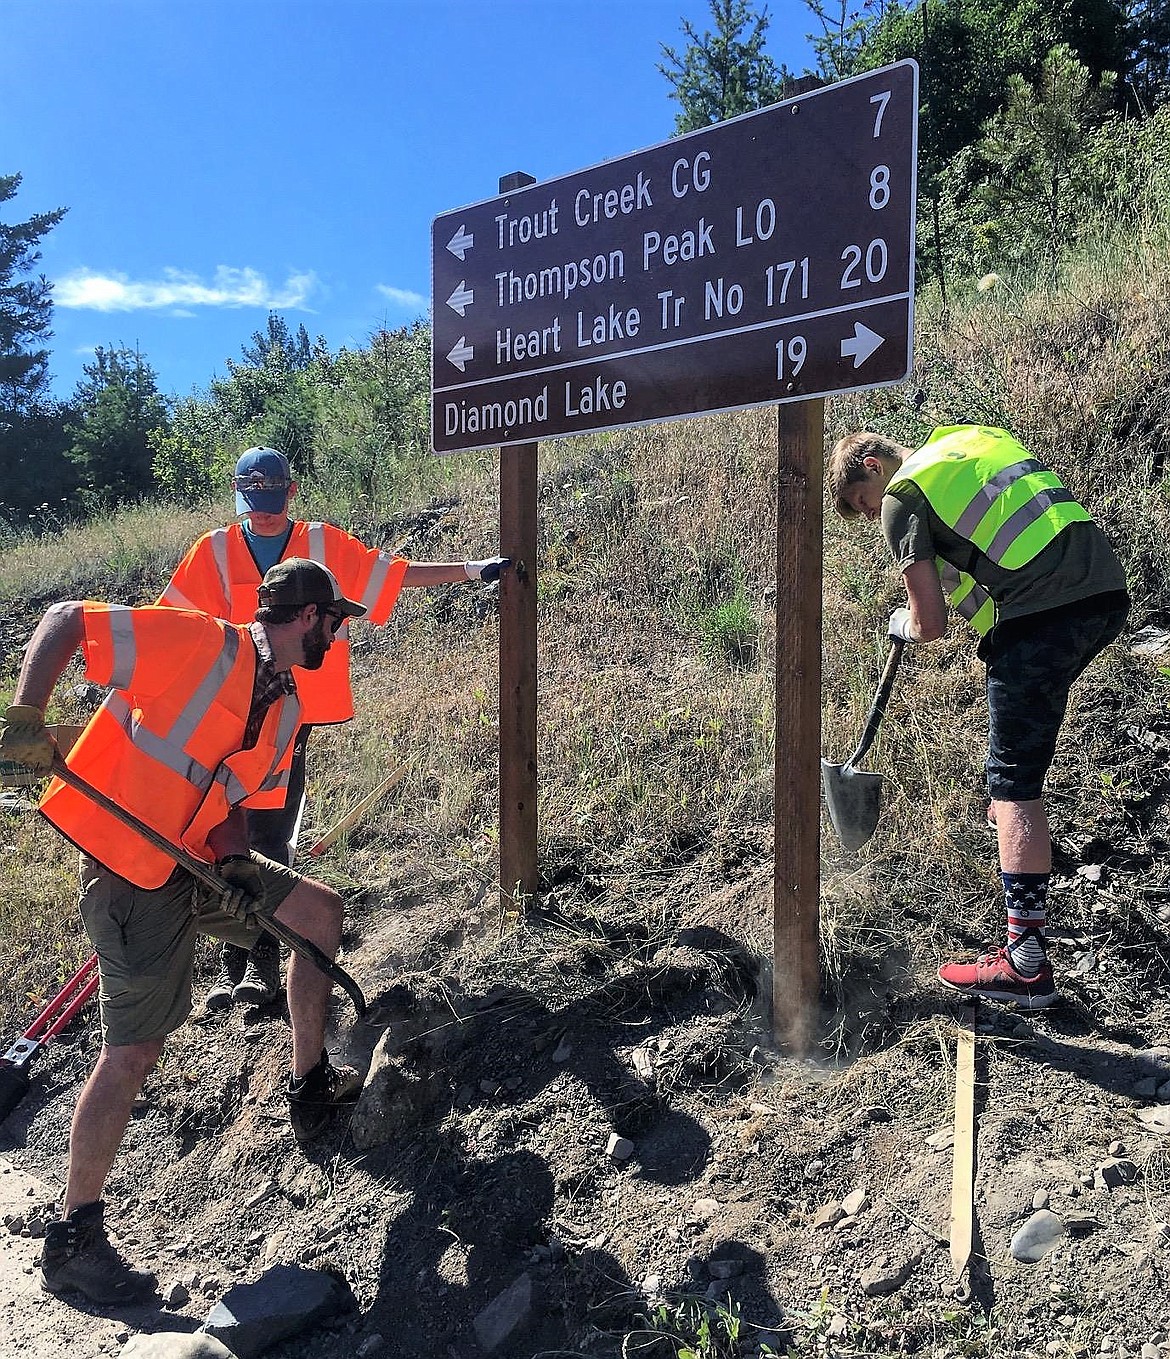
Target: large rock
175,1345
284,1301
1036,1237
393,1097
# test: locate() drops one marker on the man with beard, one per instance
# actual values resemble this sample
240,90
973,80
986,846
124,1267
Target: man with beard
201,718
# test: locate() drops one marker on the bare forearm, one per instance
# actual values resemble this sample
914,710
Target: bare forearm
435,573
56,637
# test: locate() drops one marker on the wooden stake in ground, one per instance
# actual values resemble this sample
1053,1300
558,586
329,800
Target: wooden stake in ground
355,814
963,1179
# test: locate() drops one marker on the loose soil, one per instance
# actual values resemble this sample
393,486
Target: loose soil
518,1048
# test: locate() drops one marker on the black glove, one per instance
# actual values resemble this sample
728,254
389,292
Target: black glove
246,893
488,570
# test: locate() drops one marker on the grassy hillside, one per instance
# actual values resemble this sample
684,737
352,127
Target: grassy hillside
657,626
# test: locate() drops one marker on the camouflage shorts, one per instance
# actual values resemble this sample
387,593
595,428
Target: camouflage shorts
1031,665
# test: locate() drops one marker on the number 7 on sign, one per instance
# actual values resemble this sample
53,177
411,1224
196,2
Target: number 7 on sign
881,100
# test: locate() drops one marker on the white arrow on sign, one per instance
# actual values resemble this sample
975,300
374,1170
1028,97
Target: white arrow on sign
462,352
461,242
461,298
861,344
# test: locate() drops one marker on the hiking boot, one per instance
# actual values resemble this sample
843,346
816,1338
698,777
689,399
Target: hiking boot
993,977
261,980
232,962
314,1098
78,1257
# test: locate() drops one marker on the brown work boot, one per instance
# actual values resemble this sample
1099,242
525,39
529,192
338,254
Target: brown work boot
78,1257
261,980
232,962
315,1097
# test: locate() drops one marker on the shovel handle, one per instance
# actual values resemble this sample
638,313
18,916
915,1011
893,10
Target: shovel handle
199,870
877,709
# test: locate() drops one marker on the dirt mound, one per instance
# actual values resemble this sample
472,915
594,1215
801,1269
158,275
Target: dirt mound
584,1108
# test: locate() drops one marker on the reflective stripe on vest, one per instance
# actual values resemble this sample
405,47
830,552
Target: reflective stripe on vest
171,757
985,486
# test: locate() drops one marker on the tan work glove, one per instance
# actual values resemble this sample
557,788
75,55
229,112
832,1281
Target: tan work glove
246,894
23,738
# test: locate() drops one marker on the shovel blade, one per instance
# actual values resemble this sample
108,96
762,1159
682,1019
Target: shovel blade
854,799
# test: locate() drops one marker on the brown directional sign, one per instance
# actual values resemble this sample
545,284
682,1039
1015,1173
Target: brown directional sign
770,258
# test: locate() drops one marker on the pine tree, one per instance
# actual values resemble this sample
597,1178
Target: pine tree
723,74
115,410
36,473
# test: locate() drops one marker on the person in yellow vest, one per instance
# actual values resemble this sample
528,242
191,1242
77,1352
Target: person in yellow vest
199,722
972,518
219,575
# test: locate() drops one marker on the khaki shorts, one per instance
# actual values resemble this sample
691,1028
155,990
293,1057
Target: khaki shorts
145,943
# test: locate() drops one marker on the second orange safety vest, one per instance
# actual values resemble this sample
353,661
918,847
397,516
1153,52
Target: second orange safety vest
219,575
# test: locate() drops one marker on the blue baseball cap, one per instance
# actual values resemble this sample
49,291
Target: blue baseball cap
261,481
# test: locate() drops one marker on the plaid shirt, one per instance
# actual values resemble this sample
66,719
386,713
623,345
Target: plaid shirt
270,684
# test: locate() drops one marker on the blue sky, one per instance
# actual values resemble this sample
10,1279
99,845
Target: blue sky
223,158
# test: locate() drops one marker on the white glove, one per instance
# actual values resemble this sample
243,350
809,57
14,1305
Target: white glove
488,570
900,625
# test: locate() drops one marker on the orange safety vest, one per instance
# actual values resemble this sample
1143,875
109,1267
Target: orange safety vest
219,576
166,743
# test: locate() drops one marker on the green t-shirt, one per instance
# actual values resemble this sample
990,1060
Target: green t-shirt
1078,563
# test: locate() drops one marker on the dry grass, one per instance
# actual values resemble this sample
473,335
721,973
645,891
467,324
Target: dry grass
656,747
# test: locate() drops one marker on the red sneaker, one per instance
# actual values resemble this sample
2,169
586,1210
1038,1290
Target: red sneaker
994,978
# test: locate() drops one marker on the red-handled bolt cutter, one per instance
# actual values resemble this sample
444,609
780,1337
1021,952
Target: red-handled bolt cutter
48,1024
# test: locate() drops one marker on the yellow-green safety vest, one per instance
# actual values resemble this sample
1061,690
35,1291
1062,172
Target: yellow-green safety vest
987,488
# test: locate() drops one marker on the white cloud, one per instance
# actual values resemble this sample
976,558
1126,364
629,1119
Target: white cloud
87,290
403,297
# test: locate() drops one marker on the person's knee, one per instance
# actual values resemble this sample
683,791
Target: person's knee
316,911
133,1062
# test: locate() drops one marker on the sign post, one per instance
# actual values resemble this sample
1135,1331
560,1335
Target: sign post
518,662
800,439
765,260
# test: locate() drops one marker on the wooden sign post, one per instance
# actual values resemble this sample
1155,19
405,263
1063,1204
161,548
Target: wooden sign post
518,660
800,432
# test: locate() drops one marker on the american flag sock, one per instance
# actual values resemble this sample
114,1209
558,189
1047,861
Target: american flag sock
1026,897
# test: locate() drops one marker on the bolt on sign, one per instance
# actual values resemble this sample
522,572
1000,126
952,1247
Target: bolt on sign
765,259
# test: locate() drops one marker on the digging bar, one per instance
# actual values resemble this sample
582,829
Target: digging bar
854,797
14,1065
301,946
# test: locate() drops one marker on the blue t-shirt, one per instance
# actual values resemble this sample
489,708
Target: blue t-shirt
266,550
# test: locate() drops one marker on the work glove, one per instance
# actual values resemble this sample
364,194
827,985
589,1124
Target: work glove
900,623
23,738
246,892
488,570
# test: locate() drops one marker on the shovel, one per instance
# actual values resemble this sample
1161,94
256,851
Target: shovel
14,1065
854,798
305,948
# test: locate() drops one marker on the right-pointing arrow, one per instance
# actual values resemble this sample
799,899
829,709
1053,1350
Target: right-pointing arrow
461,298
861,344
461,242
462,352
